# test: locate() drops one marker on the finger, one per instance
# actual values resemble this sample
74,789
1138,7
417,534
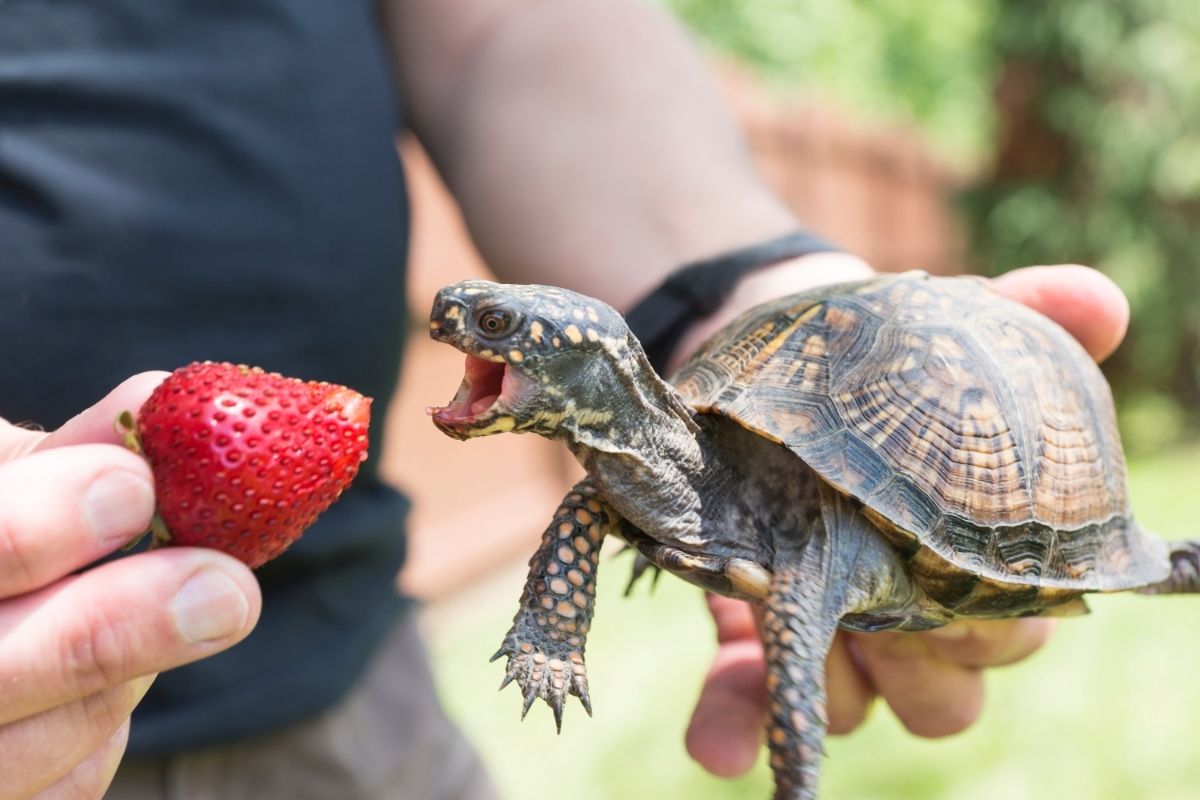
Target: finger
92,778
725,732
1085,302
726,729
931,696
849,692
989,643
63,509
734,618
127,618
42,749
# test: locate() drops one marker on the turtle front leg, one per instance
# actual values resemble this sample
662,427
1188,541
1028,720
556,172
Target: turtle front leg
545,645
798,630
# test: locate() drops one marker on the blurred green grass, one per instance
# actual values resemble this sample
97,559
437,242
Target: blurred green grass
1108,711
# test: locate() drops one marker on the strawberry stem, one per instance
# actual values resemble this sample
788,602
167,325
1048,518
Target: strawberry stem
127,429
160,536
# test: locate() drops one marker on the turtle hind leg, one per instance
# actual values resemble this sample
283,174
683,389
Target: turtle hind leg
844,570
798,631
1185,570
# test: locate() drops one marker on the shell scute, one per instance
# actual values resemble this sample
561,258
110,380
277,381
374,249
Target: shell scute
966,424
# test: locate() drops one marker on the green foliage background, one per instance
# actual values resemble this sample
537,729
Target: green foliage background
1101,167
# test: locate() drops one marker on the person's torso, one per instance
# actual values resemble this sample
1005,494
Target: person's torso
210,180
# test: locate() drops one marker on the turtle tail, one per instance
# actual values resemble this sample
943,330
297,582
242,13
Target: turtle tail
1185,570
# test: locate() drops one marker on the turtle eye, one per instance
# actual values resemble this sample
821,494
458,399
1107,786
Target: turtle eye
496,323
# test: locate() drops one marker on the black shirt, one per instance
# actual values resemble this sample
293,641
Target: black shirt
213,180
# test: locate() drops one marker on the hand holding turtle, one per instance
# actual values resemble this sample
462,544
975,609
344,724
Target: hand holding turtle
932,681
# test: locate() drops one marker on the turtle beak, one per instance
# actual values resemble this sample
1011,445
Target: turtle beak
476,406
487,400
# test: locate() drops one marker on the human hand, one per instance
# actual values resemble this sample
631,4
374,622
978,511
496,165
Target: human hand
78,650
932,681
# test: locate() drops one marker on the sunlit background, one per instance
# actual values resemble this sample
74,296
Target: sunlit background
937,134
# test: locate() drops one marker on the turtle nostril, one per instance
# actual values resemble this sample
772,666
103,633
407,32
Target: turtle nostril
445,318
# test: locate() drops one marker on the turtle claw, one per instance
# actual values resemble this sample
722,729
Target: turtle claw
551,676
642,565
557,707
531,694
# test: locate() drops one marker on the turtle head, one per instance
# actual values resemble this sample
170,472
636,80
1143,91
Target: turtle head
539,359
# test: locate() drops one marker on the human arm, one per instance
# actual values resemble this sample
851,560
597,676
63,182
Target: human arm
78,650
582,138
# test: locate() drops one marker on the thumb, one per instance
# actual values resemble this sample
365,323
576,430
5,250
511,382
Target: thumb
1087,303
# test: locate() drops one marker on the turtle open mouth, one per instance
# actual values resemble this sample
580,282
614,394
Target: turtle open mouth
483,398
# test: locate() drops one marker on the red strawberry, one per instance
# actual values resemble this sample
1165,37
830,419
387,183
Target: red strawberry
244,460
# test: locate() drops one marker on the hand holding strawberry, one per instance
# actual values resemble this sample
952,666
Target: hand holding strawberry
79,647
244,460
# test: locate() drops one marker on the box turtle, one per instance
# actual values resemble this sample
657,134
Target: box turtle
886,454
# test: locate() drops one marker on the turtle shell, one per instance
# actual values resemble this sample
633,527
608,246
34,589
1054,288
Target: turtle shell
977,434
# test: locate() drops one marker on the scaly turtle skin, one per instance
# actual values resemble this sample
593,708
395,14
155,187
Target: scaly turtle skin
888,454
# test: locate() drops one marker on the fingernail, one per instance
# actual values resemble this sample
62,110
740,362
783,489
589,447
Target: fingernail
209,606
951,633
117,506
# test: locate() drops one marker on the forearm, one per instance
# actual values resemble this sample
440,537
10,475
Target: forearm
583,139
795,275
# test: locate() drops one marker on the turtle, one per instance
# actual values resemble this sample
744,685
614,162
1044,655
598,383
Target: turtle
887,454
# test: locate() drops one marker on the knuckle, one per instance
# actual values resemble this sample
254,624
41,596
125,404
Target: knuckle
94,656
18,570
106,710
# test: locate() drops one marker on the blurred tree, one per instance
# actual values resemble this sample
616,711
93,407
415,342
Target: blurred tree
1097,160
1080,120
917,61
